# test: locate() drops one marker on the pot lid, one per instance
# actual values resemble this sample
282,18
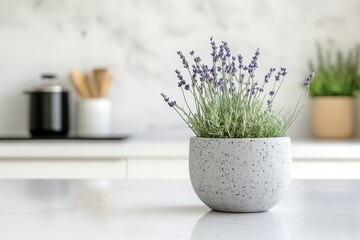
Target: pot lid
48,84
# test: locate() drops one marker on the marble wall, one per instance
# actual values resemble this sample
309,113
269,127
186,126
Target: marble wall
138,40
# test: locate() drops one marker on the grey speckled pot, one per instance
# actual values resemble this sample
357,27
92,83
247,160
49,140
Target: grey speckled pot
240,174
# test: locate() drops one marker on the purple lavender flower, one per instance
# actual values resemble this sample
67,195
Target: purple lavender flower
182,57
181,83
224,53
181,78
251,72
213,74
232,87
178,74
203,71
220,83
253,64
277,76
214,49
271,93
192,53
254,88
267,77
253,91
240,59
233,68
213,70
242,78
166,99
172,103
268,102
227,49
227,68
187,87
197,60
220,54
283,71
194,76
202,88
196,70
309,78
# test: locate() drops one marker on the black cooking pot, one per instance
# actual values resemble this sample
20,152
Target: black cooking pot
49,109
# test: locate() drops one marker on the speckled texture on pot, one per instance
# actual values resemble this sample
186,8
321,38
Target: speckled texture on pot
240,175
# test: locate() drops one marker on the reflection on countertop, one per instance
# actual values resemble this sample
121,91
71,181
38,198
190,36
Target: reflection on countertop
229,226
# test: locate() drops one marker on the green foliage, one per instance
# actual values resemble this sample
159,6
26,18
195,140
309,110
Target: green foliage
336,74
229,118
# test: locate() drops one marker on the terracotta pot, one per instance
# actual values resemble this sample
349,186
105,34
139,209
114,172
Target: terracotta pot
333,117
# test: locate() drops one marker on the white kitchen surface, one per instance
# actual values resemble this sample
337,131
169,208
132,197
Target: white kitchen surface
156,159
138,148
169,209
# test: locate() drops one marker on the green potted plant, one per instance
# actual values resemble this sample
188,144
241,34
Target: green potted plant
333,93
240,158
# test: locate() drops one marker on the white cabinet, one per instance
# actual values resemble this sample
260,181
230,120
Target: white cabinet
93,159
60,168
158,168
326,169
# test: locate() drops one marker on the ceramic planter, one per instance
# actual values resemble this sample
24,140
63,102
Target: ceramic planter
333,117
240,175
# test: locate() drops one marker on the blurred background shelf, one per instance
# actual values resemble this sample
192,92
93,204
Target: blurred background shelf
136,158
121,146
30,138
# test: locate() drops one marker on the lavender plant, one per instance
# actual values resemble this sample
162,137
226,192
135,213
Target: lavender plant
228,102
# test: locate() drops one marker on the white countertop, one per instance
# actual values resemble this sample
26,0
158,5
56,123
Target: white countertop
169,209
137,148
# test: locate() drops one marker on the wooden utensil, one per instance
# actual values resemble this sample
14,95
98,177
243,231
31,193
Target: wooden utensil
106,82
91,86
99,76
77,79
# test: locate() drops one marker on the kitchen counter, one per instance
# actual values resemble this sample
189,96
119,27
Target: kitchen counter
169,209
139,148
156,159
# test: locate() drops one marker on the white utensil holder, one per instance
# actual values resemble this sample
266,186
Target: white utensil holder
93,117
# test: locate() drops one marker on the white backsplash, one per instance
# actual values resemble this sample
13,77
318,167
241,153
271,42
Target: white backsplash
138,40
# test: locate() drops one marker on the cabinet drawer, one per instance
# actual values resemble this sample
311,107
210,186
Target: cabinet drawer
61,168
326,169
158,168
